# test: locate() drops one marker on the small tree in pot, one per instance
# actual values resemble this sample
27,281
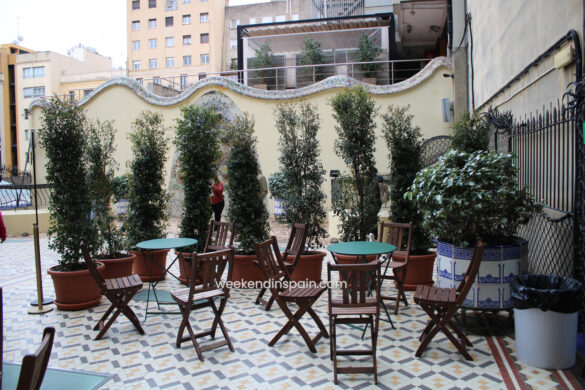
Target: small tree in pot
404,143
147,196
63,139
264,59
358,200
367,52
246,206
303,175
312,54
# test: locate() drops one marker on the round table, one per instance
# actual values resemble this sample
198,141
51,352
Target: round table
360,249
166,243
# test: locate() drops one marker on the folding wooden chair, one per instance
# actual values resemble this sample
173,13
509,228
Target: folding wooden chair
441,304
118,291
211,265
219,236
290,256
357,299
275,274
399,235
35,365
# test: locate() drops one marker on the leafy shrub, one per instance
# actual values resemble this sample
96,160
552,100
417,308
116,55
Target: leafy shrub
470,133
367,52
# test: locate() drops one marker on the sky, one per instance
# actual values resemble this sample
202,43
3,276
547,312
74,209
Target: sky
59,25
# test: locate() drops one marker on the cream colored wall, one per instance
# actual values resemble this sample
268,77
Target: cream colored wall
121,104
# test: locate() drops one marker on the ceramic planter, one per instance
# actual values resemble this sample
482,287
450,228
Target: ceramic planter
245,270
147,271
309,267
75,290
499,265
117,268
419,271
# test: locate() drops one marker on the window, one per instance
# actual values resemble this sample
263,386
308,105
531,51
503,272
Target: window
151,3
170,62
87,92
135,45
280,18
33,92
234,23
204,17
156,80
135,4
183,80
169,21
136,25
205,58
267,19
186,19
233,44
151,23
34,72
169,41
186,39
203,1
186,60
186,1
135,65
139,81
152,43
294,17
252,21
204,38
152,63
71,96
171,5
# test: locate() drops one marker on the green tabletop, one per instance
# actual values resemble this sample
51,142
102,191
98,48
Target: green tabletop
166,243
361,248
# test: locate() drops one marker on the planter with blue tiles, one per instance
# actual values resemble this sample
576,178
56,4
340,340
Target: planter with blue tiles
491,289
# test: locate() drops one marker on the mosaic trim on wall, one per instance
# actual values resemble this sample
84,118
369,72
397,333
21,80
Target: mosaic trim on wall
329,83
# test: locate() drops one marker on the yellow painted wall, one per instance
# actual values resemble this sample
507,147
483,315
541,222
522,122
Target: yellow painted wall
122,104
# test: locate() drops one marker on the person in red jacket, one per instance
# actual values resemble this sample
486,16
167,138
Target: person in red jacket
2,229
217,200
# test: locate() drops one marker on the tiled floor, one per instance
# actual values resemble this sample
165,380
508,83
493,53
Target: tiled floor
153,361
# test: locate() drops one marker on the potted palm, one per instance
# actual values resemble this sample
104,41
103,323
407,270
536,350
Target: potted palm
198,152
147,197
475,192
246,206
357,199
367,52
302,177
100,180
63,139
404,143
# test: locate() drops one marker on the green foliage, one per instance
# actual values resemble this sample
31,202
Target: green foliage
470,133
264,59
63,138
359,201
311,54
276,185
100,179
367,52
404,143
147,196
198,146
302,172
246,206
120,187
464,195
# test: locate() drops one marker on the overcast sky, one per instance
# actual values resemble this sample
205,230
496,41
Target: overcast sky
58,25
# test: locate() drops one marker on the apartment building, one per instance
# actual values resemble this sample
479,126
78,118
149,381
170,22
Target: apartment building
174,39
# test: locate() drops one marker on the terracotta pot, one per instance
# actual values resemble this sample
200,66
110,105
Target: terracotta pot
185,267
75,290
420,269
309,267
245,270
117,268
348,259
143,266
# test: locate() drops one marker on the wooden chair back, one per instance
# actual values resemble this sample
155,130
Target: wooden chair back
470,273
296,243
271,262
92,267
356,281
397,234
35,365
211,266
220,235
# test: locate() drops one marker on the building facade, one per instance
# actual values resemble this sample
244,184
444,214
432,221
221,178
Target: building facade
174,39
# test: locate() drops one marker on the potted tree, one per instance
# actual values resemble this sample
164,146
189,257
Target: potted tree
302,177
475,192
264,59
312,54
63,139
367,52
198,152
404,143
100,180
357,199
246,206
147,197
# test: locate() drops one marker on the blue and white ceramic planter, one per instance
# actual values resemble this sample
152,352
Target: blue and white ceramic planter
500,263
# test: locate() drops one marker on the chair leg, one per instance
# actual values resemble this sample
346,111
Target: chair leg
293,320
222,327
334,350
260,295
374,335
